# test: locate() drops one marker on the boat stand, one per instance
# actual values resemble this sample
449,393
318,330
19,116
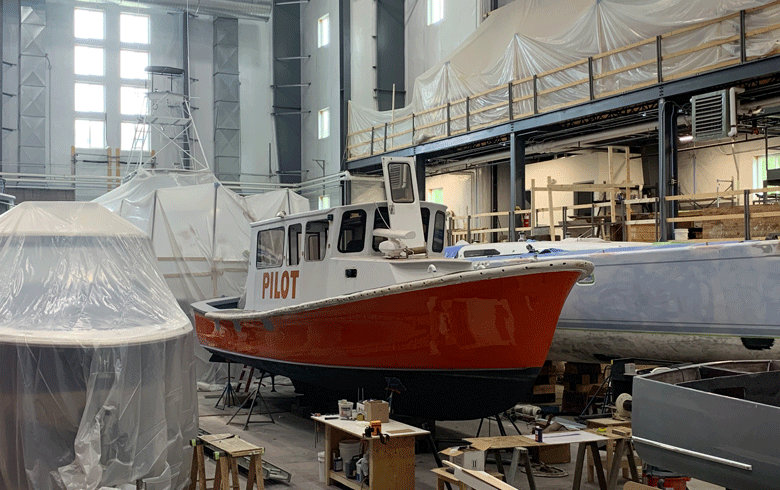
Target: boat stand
253,396
229,397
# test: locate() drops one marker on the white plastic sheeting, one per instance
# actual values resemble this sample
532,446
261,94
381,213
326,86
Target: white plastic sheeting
200,232
98,384
531,37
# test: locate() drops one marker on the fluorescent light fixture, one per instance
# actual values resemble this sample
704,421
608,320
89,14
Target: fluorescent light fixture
685,139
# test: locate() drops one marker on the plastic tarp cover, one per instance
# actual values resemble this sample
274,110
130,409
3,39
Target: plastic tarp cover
532,37
200,233
98,388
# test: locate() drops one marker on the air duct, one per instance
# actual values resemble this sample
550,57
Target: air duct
252,9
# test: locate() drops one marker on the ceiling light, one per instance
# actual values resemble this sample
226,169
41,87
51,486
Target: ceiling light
685,139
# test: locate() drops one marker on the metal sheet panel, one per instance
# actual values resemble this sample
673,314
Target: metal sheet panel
227,115
227,143
226,87
32,101
32,39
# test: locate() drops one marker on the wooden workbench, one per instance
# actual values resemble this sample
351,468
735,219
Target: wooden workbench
585,439
391,465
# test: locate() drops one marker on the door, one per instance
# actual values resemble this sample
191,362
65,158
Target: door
403,200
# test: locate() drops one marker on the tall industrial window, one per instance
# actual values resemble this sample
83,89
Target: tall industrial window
323,31
435,11
324,123
134,28
436,195
89,68
90,134
110,75
760,167
134,136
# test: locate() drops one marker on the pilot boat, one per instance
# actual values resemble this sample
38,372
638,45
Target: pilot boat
361,297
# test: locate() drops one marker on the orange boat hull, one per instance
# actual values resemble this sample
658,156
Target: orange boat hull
481,339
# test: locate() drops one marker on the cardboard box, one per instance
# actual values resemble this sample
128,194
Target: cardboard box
558,454
377,410
465,457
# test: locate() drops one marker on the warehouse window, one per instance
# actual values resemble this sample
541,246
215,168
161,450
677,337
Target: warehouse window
90,133
323,120
132,100
89,24
323,31
132,64
435,11
90,97
134,136
760,167
89,61
436,195
134,29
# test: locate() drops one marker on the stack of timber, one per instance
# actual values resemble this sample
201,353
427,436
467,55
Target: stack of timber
546,387
760,226
581,381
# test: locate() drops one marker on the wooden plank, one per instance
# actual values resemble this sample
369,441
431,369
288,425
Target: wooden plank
564,104
562,87
561,68
625,68
624,48
702,69
633,87
392,465
701,47
700,25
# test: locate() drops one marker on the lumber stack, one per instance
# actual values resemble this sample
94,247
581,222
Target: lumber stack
581,381
546,384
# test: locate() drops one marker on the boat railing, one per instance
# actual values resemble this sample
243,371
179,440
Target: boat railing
750,214
669,56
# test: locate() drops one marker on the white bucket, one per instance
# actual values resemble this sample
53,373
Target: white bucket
681,234
321,461
349,448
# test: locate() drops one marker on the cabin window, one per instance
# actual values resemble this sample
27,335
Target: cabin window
381,222
401,190
270,248
316,240
353,231
426,219
294,241
438,232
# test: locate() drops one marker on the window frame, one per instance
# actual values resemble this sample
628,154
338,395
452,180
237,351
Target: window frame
439,228
342,247
296,228
75,26
148,18
322,243
89,120
435,11
323,123
279,262
323,31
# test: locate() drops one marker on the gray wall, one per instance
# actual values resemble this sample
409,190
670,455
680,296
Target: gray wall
322,70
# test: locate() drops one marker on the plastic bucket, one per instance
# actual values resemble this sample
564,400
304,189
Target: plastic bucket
321,462
349,448
345,409
681,234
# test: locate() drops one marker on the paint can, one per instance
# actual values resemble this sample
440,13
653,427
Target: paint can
321,462
538,434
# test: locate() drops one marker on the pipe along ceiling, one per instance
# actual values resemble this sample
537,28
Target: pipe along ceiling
241,9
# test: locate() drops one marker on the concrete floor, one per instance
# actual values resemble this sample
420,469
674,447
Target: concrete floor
290,443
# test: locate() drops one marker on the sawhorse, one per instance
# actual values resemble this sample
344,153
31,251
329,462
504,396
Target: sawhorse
230,447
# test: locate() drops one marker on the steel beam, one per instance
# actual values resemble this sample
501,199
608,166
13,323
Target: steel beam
726,77
286,25
227,112
390,63
667,166
516,182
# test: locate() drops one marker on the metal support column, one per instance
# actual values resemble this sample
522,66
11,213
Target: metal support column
345,83
516,182
667,166
185,82
286,26
419,167
390,64
32,90
10,85
227,116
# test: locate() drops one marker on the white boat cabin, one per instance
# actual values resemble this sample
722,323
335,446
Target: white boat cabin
330,252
